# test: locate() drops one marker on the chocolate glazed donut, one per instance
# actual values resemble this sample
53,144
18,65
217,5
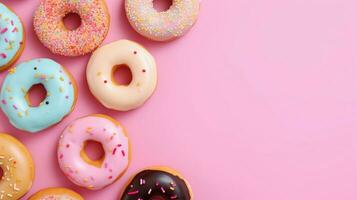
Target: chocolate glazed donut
157,184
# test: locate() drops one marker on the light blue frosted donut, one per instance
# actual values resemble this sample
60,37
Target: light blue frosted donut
11,36
61,94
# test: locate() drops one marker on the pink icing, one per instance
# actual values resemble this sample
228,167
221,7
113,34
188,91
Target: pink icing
115,145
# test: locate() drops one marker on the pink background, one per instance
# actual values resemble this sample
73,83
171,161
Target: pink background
258,101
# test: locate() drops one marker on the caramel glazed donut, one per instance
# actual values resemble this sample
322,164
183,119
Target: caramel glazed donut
56,194
17,166
158,183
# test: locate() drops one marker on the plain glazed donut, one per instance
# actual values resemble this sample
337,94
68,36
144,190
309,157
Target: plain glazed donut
157,183
61,94
56,194
17,166
162,26
75,163
51,31
12,37
101,67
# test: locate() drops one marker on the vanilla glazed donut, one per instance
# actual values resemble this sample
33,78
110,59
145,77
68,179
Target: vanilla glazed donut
162,26
17,166
56,194
51,31
12,37
157,183
102,65
78,167
60,100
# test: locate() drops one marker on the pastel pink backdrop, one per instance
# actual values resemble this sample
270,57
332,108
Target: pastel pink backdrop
258,101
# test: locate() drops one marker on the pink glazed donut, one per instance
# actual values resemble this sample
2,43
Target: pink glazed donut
162,26
75,163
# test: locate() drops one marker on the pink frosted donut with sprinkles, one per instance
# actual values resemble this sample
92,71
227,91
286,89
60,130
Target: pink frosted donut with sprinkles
76,164
51,31
162,26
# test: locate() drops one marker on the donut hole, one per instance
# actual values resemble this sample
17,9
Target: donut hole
36,95
157,198
162,5
122,75
72,21
93,153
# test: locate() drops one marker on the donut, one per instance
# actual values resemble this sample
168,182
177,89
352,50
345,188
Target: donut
51,31
17,166
162,26
78,167
56,194
12,37
157,183
102,65
60,100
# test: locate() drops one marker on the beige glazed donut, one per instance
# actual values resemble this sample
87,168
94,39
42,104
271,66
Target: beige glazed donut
17,166
102,66
162,26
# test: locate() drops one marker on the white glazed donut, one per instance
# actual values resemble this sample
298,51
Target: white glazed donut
102,65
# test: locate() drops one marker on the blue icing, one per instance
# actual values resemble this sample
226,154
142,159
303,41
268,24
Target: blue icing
11,35
58,103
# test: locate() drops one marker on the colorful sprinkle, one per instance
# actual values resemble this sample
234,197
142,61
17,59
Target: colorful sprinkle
133,192
12,70
3,30
114,150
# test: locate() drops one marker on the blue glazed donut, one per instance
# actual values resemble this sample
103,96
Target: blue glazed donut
12,37
59,102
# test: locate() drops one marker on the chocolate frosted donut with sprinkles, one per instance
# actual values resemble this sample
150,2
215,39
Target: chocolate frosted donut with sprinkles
162,26
51,31
12,37
157,183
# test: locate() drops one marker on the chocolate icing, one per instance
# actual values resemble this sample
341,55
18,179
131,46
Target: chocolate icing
156,183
